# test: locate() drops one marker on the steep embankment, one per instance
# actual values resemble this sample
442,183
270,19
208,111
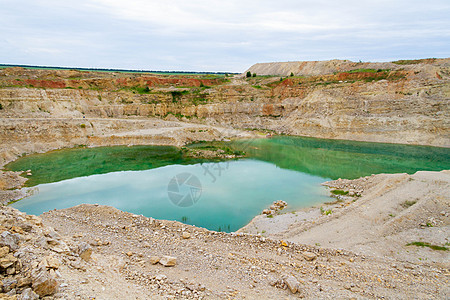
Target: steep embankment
381,102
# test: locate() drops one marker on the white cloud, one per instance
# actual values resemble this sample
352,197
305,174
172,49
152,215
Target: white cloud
219,35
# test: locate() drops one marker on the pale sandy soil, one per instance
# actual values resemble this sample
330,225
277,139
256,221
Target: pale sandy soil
394,210
219,265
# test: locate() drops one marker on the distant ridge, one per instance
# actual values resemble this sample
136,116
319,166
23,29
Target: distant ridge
317,68
112,70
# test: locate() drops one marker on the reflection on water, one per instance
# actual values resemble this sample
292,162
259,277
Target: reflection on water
160,182
225,198
345,159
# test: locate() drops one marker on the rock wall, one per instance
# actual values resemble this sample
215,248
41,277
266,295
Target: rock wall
408,104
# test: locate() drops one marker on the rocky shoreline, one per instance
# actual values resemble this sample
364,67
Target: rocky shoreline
85,251
273,252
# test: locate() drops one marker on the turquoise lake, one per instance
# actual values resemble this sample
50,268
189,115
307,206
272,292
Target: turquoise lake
160,182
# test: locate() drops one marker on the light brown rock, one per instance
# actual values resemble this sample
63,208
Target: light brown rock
85,251
25,281
309,255
292,283
52,262
154,260
3,251
7,261
168,261
44,284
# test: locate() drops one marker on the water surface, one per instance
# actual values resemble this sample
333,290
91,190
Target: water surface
231,193
150,180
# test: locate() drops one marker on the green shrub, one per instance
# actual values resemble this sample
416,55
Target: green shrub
423,244
249,74
325,212
413,61
176,95
1,106
339,192
83,125
407,203
140,89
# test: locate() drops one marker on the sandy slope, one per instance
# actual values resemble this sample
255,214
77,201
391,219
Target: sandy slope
395,209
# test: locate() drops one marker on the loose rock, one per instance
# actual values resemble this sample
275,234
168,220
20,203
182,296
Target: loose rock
44,284
154,260
28,294
292,283
10,240
309,255
85,251
168,261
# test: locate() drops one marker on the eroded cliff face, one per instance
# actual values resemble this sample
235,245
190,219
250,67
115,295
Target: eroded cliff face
408,103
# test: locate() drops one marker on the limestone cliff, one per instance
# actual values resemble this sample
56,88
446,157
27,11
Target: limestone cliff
405,102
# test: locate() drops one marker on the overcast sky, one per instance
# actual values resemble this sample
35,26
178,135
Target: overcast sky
226,35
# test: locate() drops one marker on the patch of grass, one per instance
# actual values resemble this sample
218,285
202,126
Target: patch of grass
141,90
204,86
94,88
413,61
424,244
270,216
176,95
368,70
325,212
257,86
339,192
407,203
199,100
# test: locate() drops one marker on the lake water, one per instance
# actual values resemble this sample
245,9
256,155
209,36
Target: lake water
160,182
